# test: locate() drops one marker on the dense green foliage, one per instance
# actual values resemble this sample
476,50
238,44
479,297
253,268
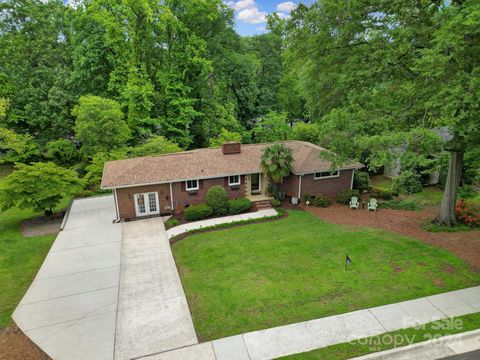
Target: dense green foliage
345,196
99,125
321,201
40,186
238,206
217,199
198,212
370,80
361,180
282,268
407,183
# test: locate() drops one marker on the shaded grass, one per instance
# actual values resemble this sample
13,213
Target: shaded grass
269,274
381,182
382,342
430,196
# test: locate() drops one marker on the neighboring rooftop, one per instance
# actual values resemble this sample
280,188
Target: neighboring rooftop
209,163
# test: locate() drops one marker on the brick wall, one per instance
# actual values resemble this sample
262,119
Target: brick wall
125,198
290,185
330,186
181,197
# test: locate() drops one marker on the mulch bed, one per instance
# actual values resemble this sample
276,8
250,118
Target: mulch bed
14,345
42,225
465,245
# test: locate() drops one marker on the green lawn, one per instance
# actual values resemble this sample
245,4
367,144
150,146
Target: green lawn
381,182
20,259
275,273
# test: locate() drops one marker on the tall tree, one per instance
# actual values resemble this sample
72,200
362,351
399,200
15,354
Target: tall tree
35,62
452,72
99,125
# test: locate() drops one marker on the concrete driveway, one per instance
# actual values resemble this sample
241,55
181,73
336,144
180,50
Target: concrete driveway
153,314
106,290
70,309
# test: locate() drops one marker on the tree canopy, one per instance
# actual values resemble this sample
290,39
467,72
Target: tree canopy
371,80
40,186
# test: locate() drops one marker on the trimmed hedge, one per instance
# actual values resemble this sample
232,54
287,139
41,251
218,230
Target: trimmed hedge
237,206
217,199
198,212
345,196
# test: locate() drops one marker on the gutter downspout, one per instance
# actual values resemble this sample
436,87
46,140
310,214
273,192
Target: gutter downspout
116,206
300,186
171,197
353,174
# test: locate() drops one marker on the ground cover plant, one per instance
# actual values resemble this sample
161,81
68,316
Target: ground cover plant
269,274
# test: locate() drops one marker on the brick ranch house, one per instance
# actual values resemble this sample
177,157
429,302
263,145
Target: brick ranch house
154,185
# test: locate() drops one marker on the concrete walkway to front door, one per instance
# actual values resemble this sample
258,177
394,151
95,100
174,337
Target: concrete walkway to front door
180,229
153,314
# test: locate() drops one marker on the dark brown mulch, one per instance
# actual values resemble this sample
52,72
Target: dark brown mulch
465,245
14,345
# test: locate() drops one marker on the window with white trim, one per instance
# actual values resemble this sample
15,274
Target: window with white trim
326,174
191,185
234,180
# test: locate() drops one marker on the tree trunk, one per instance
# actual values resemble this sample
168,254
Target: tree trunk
446,215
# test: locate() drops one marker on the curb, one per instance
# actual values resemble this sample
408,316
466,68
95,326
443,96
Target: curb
414,351
67,213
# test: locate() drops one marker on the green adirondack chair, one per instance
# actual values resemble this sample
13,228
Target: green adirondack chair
372,205
354,203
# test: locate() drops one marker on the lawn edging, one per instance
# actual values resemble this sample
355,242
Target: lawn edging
280,215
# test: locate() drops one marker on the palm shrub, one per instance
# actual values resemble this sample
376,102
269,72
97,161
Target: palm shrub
276,162
217,199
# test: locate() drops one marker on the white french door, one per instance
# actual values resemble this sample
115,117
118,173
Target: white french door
146,204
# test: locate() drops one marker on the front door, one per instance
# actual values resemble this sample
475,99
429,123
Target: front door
146,204
255,183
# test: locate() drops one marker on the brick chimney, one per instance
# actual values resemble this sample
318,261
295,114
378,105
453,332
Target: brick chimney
231,148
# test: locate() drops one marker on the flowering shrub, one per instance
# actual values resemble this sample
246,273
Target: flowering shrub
467,214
